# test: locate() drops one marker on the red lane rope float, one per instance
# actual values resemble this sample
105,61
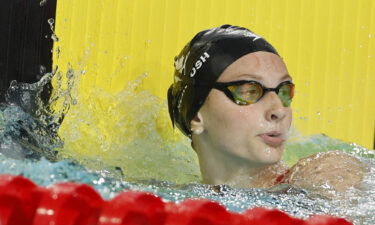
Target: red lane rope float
24,203
69,203
17,200
274,217
134,208
200,211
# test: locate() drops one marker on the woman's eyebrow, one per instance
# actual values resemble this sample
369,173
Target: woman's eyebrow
246,75
256,77
286,77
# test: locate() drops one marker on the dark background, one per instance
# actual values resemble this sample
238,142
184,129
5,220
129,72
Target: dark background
25,40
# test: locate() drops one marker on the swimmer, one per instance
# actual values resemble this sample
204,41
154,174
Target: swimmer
232,97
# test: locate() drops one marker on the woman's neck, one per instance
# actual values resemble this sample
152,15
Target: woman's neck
220,168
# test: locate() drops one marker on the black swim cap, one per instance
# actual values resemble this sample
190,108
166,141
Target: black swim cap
203,60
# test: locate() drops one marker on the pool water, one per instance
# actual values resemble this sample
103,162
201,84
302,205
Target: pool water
140,156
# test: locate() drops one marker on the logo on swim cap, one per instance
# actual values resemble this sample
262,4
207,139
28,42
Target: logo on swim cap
198,64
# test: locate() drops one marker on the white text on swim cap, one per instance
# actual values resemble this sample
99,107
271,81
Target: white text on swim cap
198,64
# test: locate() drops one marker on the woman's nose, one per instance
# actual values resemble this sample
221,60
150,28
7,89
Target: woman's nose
275,110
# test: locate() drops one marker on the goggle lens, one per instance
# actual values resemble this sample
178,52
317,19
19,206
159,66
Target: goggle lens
286,93
251,92
246,94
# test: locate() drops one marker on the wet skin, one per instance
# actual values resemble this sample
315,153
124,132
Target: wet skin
239,131
242,145
243,139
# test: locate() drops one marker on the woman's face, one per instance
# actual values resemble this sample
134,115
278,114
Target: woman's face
255,132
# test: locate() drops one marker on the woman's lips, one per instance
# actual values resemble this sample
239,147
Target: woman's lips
273,139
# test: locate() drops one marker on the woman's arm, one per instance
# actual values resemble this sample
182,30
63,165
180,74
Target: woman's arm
326,172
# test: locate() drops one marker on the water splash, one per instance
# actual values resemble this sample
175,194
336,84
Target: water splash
28,128
51,23
355,206
31,116
130,133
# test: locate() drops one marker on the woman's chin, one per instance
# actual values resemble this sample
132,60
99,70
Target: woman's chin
263,160
270,155
260,154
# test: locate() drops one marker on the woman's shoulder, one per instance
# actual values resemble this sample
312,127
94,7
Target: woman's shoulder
270,175
333,170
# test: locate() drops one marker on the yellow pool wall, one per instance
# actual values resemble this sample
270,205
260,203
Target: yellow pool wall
328,46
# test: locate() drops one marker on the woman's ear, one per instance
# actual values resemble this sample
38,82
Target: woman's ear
196,124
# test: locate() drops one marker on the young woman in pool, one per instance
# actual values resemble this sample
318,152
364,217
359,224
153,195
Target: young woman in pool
231,95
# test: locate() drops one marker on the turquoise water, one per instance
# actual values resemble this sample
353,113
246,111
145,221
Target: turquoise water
29,146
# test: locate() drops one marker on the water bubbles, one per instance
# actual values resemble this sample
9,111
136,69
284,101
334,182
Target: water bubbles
13,85
70,73
54,38
101,180
43,2
58,51
42,69
51,21
318,113
74,101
